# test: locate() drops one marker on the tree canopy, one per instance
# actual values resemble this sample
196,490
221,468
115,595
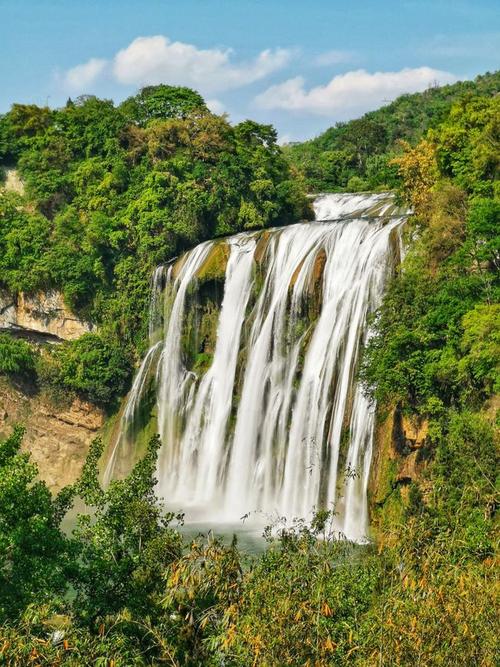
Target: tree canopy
357,155
112,191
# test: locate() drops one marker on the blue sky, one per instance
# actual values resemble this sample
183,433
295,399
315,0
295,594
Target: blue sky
301,65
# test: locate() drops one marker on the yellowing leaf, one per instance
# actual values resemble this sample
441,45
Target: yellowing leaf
326,610
329,645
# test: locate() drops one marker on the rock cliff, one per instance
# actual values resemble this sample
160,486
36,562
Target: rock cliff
57,438
43,313
399,458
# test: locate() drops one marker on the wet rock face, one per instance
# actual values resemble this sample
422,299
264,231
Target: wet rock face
57,438
42,313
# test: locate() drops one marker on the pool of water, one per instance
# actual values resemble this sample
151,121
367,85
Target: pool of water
248,532
249,537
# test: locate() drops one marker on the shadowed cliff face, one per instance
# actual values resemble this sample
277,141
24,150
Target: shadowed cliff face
57,438
400,457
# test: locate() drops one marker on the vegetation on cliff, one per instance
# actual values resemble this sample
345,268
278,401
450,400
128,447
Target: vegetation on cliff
436,354
110,192
16,357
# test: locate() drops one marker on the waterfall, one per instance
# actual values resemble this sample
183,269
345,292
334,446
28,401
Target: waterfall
258,406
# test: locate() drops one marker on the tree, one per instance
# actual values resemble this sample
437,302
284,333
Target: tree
162,102
93,367
125,541
16,356
35,556
419,172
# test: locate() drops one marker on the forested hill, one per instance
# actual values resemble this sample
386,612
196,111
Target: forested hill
357,155
112,191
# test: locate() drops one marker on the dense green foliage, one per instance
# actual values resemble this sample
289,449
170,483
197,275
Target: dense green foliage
357,155
124,544
143,596
110,192
438,340
92,366
436,355
34,554
16,357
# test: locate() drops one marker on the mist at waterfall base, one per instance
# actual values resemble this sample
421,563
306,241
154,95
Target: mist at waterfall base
275,425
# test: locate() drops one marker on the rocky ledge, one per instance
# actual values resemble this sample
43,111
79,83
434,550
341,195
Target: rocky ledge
42,313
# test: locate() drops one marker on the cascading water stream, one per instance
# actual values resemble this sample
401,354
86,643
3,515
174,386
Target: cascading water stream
277,422
194,473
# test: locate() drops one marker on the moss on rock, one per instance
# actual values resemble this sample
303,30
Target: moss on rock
214,266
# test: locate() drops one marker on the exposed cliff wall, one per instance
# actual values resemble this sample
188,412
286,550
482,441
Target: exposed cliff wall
57,438
42,313
399,458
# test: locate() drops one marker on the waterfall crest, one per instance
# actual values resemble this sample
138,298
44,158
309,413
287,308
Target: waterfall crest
255,342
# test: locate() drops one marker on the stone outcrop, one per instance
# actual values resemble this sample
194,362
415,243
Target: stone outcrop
414,432
42,313
57,438
13,182
398,460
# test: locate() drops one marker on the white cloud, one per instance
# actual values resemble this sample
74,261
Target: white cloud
351,92
79,77
153,60
215,106
333,58
284,139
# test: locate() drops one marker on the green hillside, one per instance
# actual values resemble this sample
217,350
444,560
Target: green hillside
356,155
112,191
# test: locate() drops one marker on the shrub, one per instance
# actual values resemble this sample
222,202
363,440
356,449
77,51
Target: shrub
16,356
92,366
33,551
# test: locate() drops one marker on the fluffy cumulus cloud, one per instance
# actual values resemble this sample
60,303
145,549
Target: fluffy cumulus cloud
79,77
216,106
351,92
153,60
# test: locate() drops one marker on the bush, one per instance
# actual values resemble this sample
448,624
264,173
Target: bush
93,367
34,554
357,184
302,600
16,356
481,346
